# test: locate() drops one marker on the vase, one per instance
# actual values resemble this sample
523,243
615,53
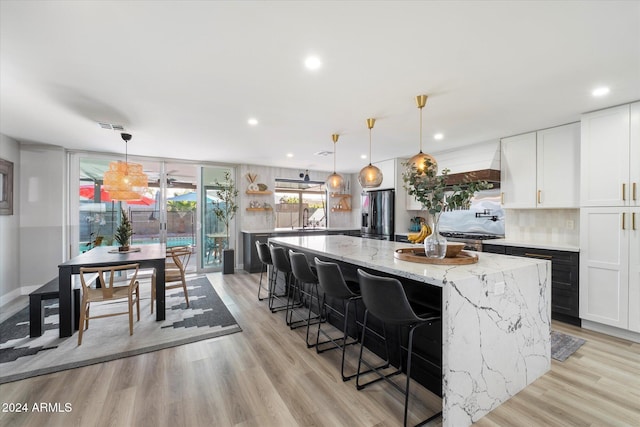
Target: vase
435,246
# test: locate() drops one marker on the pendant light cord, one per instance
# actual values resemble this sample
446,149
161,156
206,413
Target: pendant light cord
421,129
369,146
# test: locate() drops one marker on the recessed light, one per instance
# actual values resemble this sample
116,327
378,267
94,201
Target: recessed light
312,63
438,136
600,91
363,156
289,155
252,121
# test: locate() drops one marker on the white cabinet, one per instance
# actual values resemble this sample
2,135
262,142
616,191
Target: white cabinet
518,171
610,157
541,169
558,166
609,266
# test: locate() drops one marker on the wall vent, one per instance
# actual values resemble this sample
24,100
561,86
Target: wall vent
110,126
324,153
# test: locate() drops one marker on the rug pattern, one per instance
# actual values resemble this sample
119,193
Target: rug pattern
563,345
108,339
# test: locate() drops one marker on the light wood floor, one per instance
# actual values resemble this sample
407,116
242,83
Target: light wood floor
265,376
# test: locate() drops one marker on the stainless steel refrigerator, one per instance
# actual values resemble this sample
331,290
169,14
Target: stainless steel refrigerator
377,214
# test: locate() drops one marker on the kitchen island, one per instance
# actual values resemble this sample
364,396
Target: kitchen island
496,318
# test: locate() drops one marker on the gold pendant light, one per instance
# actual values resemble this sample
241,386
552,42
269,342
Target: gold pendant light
125,181
422,161
334,181
370,176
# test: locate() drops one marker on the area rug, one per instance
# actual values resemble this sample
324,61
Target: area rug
108,338
563,345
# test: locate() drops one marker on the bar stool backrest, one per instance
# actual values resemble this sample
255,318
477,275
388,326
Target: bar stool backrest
301,269
332,281
385,298
263,252
280,260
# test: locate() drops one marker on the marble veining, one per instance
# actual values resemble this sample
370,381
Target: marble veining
494,343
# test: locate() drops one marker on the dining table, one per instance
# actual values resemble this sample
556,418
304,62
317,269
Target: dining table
147,256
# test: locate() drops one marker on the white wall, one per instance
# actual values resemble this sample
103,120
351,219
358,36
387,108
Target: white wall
42,184
9,228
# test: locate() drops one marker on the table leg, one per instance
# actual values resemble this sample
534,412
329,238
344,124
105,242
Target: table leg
160,291
66,310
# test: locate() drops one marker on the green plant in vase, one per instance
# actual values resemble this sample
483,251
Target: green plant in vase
225,211
123,232
435,196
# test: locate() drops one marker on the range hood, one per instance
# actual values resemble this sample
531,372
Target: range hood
490,175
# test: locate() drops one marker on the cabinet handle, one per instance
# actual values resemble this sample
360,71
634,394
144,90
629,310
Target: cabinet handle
633,221
633,191
538,255
624,191
502,198
624,215
539,196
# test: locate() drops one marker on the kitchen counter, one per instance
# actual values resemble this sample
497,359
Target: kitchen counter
495,341
300,230
555,246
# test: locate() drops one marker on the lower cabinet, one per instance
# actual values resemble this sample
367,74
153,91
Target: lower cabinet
565,289
610,266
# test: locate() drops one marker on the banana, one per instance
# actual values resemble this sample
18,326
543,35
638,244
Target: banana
425,230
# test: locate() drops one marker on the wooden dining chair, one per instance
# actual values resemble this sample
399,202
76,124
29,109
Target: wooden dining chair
174,271
109,288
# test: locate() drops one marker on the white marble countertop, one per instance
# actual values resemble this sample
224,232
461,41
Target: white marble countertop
299,230
378,255
533,244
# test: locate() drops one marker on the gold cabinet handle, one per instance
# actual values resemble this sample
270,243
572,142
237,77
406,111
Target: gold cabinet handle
633,191
624,191
502,198
539,196
623,220
633,221
531,255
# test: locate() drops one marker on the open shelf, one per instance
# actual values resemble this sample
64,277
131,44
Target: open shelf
259,209
340,195
340,210
265,192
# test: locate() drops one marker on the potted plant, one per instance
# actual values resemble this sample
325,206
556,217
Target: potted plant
435,196
123,232
225,211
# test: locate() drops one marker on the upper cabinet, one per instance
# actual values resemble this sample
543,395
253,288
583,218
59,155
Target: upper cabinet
541,169
610,160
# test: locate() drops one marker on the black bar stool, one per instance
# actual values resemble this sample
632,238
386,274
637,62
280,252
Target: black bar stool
333,285
280,265
265,258
384,298
304,276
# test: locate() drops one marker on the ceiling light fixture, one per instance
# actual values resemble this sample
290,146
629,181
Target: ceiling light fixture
334,181
312,63
370,176
252,121
601,91
125,181
438,136
422,161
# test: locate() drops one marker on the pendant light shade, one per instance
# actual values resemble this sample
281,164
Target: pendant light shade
334,181
421,161
125,181
370,176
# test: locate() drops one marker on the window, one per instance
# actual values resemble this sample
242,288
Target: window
300,204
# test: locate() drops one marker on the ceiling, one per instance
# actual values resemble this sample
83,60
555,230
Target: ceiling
185,76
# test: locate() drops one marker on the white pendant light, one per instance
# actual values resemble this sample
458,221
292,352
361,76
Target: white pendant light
334,181
125,181
370,176
422,161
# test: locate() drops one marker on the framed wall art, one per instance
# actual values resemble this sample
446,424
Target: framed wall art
6,187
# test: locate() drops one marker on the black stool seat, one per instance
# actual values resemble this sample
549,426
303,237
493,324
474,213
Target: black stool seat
264,255
385,299
304,276
282,265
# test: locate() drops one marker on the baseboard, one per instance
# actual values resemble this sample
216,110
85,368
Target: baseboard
611,330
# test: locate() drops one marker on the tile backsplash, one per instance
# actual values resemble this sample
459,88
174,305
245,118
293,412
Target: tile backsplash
543,225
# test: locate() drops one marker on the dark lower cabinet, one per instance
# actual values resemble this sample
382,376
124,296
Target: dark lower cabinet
565,290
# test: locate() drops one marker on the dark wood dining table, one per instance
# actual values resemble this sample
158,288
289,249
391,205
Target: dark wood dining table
150,256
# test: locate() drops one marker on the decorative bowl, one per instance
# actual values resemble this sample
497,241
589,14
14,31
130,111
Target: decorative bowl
453,249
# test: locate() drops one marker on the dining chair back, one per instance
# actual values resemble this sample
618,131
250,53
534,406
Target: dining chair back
174,271
109,287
